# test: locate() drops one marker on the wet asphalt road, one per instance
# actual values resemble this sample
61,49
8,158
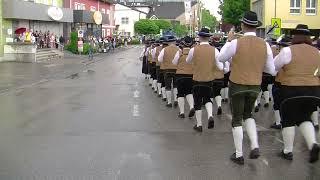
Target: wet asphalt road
106,123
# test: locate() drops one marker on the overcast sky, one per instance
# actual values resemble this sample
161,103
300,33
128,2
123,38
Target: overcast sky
213,6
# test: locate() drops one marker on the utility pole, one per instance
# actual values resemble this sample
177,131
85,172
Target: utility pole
275,8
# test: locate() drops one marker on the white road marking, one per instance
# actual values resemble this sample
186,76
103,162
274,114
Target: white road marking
50,65
136,94
265,161
135,111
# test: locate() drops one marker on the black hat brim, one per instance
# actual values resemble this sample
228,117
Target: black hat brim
301,32
253,25
203,34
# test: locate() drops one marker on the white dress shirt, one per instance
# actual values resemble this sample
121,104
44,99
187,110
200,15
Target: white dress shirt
153,52
229,50
226,67
160,57
190,56
283,58
176,58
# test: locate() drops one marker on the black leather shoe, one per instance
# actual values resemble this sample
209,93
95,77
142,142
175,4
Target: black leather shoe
314,153
256,109
239,160
226,100
181,116
270,99
275,126
152,88
150,84
316,127
266,105
288,156
159,95
164,99
219,112
169,105
197,128
175,104
223,100
211,123
192,112
254,154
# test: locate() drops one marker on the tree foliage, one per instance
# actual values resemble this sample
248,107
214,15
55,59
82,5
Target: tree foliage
180,30
146,27
163,24
233,10
208,20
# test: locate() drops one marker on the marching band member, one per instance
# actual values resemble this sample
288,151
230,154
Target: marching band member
299,65
204,60
165,58
184,77
247,67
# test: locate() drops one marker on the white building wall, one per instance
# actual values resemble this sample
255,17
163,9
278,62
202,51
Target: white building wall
123,12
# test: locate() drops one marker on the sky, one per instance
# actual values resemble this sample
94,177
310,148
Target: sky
213,6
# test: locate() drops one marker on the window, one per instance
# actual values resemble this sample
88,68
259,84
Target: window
311,7
79,6
295,6
103,33
103,11
92,8
125,20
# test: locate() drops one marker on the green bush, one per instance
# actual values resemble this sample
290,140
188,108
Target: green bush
86,47
73,45
135,41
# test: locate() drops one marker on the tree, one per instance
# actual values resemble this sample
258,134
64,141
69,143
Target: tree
208,20
163,24
180,30
233,10
146,26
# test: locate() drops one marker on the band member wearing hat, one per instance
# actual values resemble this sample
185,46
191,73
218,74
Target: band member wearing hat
299,67
184,77
203,57
155,55
144,58
247,67
165,58
150,61
154,66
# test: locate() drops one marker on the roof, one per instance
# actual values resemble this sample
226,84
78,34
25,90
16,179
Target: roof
132,8
168,10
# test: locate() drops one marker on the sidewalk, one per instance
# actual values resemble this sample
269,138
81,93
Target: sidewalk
15,75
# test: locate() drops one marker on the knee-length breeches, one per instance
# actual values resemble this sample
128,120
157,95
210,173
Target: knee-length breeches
202,92
242,99
184,84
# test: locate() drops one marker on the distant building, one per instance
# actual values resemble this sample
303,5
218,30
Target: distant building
291,12
126,17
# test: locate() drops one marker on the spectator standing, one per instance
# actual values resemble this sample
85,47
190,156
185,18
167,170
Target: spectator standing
61,41
92,44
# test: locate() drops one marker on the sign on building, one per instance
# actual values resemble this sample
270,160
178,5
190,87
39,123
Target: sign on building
276,23
80,33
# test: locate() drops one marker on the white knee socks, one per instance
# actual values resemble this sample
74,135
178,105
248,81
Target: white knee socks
259,97
169,97
237,133
154,85
209,109
181,104
163,90
277,117
250,125
159,88
288,139
315,118
266,96
308,133
218,100
222,93
190,101
226,93
175,93
199,117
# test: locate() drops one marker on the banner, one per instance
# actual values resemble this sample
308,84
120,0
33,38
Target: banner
187,9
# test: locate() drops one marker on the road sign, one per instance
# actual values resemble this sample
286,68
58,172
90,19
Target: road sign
80,33
276,22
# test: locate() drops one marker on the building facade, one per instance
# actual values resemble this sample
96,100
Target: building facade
125,18
291,12
83,7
